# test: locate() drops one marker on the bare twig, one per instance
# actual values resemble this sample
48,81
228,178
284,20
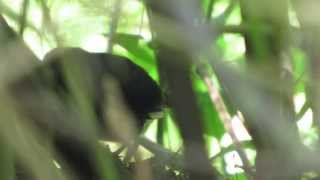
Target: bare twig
226,119
222,18
5,10
210,8
141,21
302,111
23,16
114,24
48,23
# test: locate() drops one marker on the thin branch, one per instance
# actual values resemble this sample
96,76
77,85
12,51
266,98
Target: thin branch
23,17
210,9
47,22
5,10
247,144
114,24
165,156
226,119
141,21
302,111
241,29
222,18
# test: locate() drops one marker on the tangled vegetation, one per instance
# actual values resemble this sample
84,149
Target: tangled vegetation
210,89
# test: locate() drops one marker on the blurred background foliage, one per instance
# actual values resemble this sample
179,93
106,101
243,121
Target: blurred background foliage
88,24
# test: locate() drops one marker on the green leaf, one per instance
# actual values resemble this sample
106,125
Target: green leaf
299,68
211,120
139,52
241,176
212,123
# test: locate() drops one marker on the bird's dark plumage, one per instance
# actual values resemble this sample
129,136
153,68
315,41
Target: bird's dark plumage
44,96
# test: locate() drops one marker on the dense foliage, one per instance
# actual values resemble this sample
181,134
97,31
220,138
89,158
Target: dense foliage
240,83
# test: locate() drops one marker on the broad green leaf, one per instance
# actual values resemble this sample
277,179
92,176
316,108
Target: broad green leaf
299,69
211,121
139,51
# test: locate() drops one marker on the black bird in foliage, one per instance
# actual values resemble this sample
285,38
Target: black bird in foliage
46,98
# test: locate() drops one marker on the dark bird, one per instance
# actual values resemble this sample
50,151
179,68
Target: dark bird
46,96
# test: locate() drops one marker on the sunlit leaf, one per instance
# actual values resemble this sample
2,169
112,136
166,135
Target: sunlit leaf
139,51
